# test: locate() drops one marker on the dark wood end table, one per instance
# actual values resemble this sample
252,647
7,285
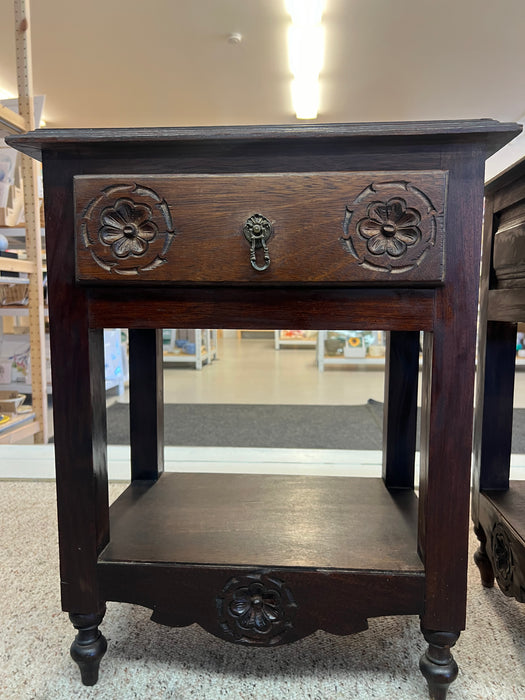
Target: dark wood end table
498,506
366,226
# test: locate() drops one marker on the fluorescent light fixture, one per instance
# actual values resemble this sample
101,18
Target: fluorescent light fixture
305,11
305,54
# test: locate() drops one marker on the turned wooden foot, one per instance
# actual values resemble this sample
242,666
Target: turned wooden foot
437,663
89,645
482,560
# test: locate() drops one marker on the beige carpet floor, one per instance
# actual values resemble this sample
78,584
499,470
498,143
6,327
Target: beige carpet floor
148,661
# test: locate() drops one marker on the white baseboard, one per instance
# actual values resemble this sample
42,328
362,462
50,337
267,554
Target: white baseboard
38,461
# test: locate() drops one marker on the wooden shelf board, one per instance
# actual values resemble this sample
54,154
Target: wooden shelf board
266,520
18,427
15,265
11,122
510,504
18,310
22,387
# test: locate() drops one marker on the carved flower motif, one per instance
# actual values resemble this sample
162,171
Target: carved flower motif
390,228
127,227
256,607
503,559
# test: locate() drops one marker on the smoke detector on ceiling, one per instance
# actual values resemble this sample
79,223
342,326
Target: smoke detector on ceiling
235,38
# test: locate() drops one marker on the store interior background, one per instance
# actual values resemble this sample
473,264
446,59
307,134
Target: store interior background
224,62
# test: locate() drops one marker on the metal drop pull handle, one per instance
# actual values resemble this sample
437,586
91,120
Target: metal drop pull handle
257,230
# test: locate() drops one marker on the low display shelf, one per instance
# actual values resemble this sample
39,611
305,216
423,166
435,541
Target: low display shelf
365,226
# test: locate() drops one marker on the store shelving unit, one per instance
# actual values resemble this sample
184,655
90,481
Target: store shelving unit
324,359
32,266
20,344
205,348
285,338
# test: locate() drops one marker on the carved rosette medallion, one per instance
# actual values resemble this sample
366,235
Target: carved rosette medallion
502,558
390,227
255,609
127,229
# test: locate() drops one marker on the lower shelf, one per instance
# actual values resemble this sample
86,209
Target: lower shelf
266,520
502,517
264,559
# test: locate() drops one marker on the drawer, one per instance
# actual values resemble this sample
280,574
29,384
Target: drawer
330,228
509,246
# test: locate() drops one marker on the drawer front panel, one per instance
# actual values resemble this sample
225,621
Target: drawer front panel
341,228
509,247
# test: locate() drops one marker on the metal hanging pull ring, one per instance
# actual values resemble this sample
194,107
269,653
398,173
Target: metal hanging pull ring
257,230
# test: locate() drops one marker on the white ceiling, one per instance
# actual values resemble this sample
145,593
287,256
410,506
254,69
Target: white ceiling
107,63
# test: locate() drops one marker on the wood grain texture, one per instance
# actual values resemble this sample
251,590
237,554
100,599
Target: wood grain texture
338,550
508,256
502,518
283,528
491,133
339,602
146,403
493,419
498,504
381,227
79,404
400,411
506,305
256,307
511,504
266,521
448,395
486,278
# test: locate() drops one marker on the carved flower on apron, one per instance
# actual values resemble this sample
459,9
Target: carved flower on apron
502,557
127,227
256,608
390,228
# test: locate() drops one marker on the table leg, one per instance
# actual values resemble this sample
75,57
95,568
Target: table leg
437,664
89,645
400,411
146,403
